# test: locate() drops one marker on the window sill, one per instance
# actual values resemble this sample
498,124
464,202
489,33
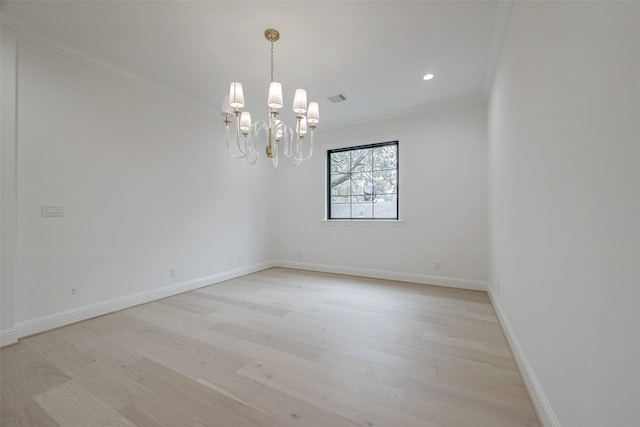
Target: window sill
364,222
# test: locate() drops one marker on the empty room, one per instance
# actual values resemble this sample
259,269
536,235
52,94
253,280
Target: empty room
320,213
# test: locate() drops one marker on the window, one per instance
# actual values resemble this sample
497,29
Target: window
362,182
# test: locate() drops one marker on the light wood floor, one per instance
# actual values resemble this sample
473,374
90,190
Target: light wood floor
276,348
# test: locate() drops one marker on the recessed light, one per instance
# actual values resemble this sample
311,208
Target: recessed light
428,76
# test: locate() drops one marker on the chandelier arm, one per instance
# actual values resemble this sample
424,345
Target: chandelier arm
273,129
296,156
246,151
250,144
293,146
308,156
294,162
231,153
286,146
275,155
255,158
287,143
298,145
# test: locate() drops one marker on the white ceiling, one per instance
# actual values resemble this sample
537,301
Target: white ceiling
374,52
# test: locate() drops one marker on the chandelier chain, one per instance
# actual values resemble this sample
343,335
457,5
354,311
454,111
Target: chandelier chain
271,61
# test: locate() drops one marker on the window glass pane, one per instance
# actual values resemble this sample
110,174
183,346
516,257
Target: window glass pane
341,199
361,160
340,210
385,181
386,206
340,185
385,157
362,210
361,183
340,162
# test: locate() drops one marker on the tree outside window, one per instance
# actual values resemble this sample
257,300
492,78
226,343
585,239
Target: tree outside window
363,182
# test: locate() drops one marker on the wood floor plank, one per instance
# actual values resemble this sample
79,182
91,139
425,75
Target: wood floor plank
262,308
345,362
238,297
304,350
359,323
292,411
162,344
187,306
96,345
30,369
278,348
73,406
458,415
104,325
187,323
382,393
344,346
483,379
189,358
207,404
18,409
349,405
484,400
502,358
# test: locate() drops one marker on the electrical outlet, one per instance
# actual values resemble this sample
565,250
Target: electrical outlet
172,272
437,265
74,292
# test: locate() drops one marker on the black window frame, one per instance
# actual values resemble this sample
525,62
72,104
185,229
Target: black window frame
361,147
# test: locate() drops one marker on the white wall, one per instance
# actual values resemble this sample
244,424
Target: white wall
8,236
443,204
564,179
146,186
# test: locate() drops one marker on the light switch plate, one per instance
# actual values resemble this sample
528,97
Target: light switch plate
52,210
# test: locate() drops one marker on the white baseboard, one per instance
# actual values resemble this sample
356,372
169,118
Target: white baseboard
57,320
423,279
545,412
8,336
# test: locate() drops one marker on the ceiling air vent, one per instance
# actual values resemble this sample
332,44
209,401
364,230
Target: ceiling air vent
337,98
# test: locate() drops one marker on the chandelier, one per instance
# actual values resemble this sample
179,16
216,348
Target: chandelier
272,133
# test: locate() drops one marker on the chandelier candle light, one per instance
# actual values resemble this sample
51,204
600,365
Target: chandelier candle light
273,132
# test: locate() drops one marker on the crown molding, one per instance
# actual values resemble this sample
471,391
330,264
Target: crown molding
452,104
501,24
